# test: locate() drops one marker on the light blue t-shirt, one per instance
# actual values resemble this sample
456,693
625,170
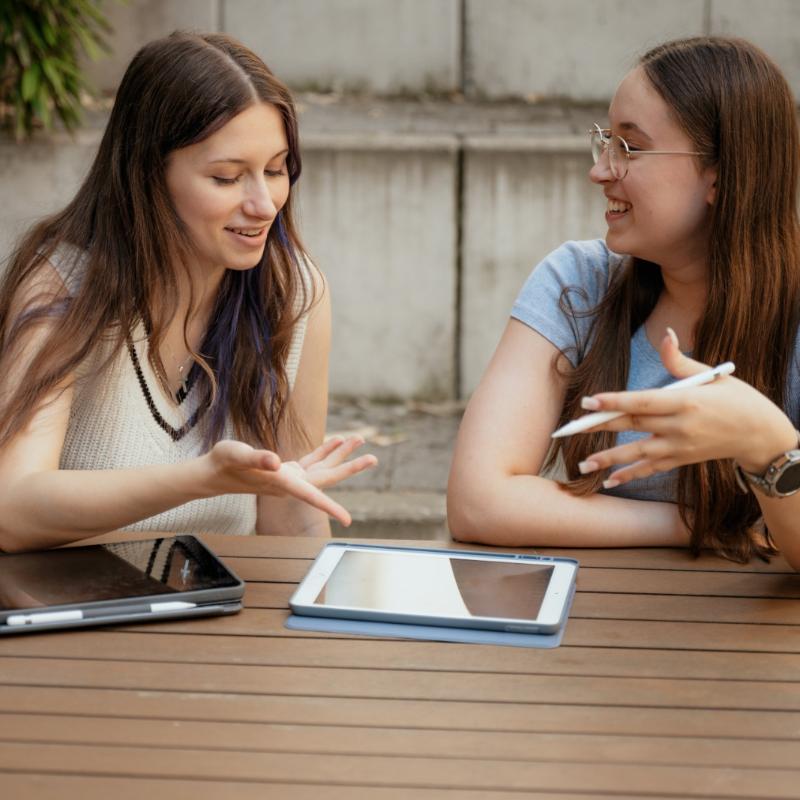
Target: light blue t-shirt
585,267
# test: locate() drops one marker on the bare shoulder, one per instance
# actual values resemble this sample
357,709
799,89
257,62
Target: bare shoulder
40,288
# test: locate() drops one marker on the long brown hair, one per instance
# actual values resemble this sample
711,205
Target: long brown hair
123,228
735,105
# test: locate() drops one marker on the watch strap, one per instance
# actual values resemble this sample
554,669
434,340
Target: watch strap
767,483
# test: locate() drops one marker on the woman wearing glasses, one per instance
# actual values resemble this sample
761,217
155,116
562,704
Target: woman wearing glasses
163,340
700,265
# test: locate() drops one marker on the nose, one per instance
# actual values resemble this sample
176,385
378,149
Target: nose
258,202
601,171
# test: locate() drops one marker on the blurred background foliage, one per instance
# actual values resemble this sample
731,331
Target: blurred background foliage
40,71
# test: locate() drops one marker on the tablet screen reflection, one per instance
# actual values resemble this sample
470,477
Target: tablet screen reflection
106,572
413,583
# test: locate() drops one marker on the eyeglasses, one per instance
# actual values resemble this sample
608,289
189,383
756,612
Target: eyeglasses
619,154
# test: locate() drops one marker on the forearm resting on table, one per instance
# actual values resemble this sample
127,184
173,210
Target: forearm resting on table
782,518
54,507
530,511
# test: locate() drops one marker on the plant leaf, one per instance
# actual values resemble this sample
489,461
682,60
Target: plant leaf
49,34
30,82
33,34
23,52
43,107
41,76
51,72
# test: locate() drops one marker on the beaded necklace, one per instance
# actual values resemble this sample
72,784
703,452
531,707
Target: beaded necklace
176,434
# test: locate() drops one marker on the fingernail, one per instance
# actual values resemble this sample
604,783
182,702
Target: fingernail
585,467
672,335
610,483
590,403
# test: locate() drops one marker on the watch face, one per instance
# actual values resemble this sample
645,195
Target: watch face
789,481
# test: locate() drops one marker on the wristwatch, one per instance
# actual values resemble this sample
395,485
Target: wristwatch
781,478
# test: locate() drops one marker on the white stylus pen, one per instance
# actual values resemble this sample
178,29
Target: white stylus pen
599,417
46,617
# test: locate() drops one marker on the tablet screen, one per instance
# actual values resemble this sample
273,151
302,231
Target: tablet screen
108,572
446,586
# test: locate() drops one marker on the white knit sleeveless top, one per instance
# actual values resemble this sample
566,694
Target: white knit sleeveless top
111,427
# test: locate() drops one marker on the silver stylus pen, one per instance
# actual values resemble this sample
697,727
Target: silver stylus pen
599,417
48,617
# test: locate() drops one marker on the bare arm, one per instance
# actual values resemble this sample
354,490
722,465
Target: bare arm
44,506
495,494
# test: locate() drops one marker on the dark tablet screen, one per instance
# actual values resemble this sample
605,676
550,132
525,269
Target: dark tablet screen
108,572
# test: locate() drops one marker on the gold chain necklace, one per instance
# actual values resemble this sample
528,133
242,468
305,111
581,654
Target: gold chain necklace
183,368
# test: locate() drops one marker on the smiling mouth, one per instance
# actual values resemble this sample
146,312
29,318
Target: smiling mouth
618,206
250,233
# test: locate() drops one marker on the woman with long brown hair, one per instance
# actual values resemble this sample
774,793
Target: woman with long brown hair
163,339
700,265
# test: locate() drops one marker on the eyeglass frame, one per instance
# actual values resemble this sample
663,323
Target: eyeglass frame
605,136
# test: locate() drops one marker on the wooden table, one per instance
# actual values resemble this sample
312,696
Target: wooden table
676,678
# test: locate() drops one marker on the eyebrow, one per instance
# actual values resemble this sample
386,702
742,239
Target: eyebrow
634,128
244,161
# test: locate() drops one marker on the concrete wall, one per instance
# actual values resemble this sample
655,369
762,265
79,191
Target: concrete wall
576,49
426,213
136,22
37,179
773,25
383,46
573,48
522,199
379,216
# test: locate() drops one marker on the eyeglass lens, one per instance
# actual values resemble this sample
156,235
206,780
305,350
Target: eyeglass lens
617,153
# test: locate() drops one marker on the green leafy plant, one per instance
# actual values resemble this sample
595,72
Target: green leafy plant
40,72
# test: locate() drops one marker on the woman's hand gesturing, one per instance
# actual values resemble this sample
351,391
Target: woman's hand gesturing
724,419
238,468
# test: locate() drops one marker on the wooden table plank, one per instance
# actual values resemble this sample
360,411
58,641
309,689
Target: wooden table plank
684,582
419,715
623,780
22,786
368,653
746,610
273,570
415,685
352,740
683,636
648,634
301,548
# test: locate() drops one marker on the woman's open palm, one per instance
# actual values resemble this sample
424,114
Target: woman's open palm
239,468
